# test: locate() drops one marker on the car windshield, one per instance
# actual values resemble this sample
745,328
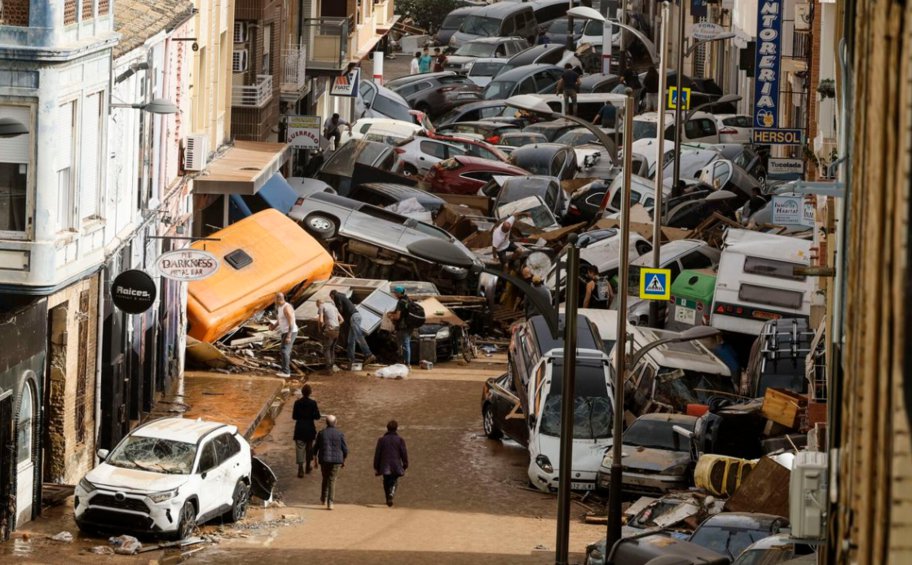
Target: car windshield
520,140
453,21
644,130
593,27
727,541
499,89
154,454
656,435
485,69
480,25
591,417
475,49
574,137
768,556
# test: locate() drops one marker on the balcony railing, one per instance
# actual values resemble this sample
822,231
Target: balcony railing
326,41
293,77
383,13
255,95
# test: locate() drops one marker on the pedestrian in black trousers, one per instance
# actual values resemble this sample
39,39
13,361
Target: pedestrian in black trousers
305,412
390,459
331,453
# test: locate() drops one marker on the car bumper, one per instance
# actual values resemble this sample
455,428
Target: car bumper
549,482
134,513
641,483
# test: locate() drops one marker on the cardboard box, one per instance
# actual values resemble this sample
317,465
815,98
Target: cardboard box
783,407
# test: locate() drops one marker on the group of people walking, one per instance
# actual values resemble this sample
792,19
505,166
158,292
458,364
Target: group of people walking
328,450
424,62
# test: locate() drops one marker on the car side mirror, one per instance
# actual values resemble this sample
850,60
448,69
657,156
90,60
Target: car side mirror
102,454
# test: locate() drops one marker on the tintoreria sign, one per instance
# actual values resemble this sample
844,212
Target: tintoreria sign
769,58
187,264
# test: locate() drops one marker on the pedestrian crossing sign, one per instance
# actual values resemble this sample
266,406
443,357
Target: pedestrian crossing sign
655,284
673,98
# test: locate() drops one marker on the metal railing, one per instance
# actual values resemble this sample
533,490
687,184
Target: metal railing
327,42
293,76
255,95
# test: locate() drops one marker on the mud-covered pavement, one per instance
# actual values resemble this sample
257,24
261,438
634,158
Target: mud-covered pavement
464,499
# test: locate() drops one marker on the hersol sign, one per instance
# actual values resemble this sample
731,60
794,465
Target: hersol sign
187,264
133,291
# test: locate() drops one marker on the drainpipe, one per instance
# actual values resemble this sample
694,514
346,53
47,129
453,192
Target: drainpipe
99,347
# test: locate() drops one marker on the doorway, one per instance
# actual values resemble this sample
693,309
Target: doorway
26,427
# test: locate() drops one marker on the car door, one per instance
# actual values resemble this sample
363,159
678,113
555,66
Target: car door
209,487
229,470
525,86
507,409
366,94
432,152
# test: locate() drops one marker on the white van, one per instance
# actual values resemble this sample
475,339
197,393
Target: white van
757,282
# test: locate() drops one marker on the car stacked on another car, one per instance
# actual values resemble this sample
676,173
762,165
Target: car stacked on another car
492,47
465,175
436,93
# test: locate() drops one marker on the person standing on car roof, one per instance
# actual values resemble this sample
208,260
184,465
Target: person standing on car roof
390,459
328,320
569,84
424,63
414,65
355,335
651,87
330,455
399,317
305,412
288,331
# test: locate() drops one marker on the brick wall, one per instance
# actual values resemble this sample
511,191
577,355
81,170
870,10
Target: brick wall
70,410
14,12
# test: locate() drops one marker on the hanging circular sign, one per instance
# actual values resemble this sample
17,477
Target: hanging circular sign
187,264
706,31
133,291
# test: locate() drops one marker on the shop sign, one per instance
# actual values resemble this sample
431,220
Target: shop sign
767,64
303,131
133,291
187,264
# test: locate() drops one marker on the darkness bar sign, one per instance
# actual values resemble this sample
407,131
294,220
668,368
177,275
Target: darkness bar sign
768,60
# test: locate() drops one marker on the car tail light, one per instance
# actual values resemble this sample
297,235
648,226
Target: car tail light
728,131
446,88
493,140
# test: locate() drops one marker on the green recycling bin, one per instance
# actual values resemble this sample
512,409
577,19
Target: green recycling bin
691,299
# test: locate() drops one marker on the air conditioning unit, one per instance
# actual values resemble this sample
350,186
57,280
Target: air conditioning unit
239,61
196,152
807,495
240,32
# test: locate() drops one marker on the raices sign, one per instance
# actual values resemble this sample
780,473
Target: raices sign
187,264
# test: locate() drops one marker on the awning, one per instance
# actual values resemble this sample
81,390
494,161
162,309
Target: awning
276,193
243,169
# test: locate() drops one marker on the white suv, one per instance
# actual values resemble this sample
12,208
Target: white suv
166,477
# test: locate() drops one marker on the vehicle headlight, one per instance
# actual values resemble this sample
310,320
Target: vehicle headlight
608,459
544,464
679,469
163,495
443,333
86,485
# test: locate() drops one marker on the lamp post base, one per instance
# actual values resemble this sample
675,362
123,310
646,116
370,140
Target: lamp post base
614,508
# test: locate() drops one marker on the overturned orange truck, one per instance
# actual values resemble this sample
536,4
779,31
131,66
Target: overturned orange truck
259,256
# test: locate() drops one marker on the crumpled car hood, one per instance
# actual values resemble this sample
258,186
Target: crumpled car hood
649,459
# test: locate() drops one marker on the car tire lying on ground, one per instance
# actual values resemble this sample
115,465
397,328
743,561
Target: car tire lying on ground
321,226
240,502
490,428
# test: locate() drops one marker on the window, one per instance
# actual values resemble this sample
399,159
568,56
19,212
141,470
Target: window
91,157
707,127
772,268
770,296
437,150
695,260
392,109
267,50
483,176
509,26
14,158
692,130
557,164
526,87
65,157
208,460
368,91
226,447
24,426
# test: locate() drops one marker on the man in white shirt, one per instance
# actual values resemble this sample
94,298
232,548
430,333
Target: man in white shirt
285,322
414,66
500,240
329,320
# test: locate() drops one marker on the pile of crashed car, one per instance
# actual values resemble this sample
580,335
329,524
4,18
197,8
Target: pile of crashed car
714,427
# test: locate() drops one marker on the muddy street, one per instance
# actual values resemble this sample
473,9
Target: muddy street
464,498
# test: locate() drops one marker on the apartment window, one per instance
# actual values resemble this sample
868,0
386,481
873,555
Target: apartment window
267,50
87,6
66,181
14,158
104,6
91,158
70,9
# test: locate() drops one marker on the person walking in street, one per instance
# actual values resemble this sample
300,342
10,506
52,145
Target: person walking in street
651,87
390,459
569,84
424,62
305,412
439,60
328,320
330,454
288,331
333,129
355,335
414,66
399,317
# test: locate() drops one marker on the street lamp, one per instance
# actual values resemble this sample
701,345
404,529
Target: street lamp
622,364
592,14
155,106
444,252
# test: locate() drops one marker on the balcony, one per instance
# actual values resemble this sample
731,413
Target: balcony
253,96
383,14
326,42
293,75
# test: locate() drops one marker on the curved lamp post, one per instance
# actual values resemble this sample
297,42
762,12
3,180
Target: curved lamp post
724,99
593,14
159,106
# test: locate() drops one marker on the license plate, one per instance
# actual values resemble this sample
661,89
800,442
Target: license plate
582,486
685,315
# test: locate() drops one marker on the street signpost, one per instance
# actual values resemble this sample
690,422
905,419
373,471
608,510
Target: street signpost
793,210
673,98
767,64
655,284
781,168
706,31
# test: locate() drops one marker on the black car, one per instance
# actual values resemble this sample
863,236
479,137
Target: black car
585,202
549,159
599,82
501,410
387,194
512,189
528,79
549,54
475,111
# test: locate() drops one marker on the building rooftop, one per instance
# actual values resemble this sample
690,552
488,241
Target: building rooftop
138,20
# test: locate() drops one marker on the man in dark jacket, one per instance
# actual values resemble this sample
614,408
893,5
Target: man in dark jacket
390,459
331,453
352,318
305,412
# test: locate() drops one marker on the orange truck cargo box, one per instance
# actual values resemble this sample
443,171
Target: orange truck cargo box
259,256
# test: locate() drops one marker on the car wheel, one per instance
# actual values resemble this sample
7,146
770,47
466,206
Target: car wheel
321,226
490,428
240,501
643,247
187,521
409,171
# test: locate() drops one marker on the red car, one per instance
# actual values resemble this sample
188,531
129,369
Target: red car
465,175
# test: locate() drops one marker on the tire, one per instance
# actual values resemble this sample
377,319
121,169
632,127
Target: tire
409,171
642,247
240,502
321,226
186,522
490,428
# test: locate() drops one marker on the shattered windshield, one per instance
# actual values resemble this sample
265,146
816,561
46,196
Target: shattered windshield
591,417
680,388
154,454
657,435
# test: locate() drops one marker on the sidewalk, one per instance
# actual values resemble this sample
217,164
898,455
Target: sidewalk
242,400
